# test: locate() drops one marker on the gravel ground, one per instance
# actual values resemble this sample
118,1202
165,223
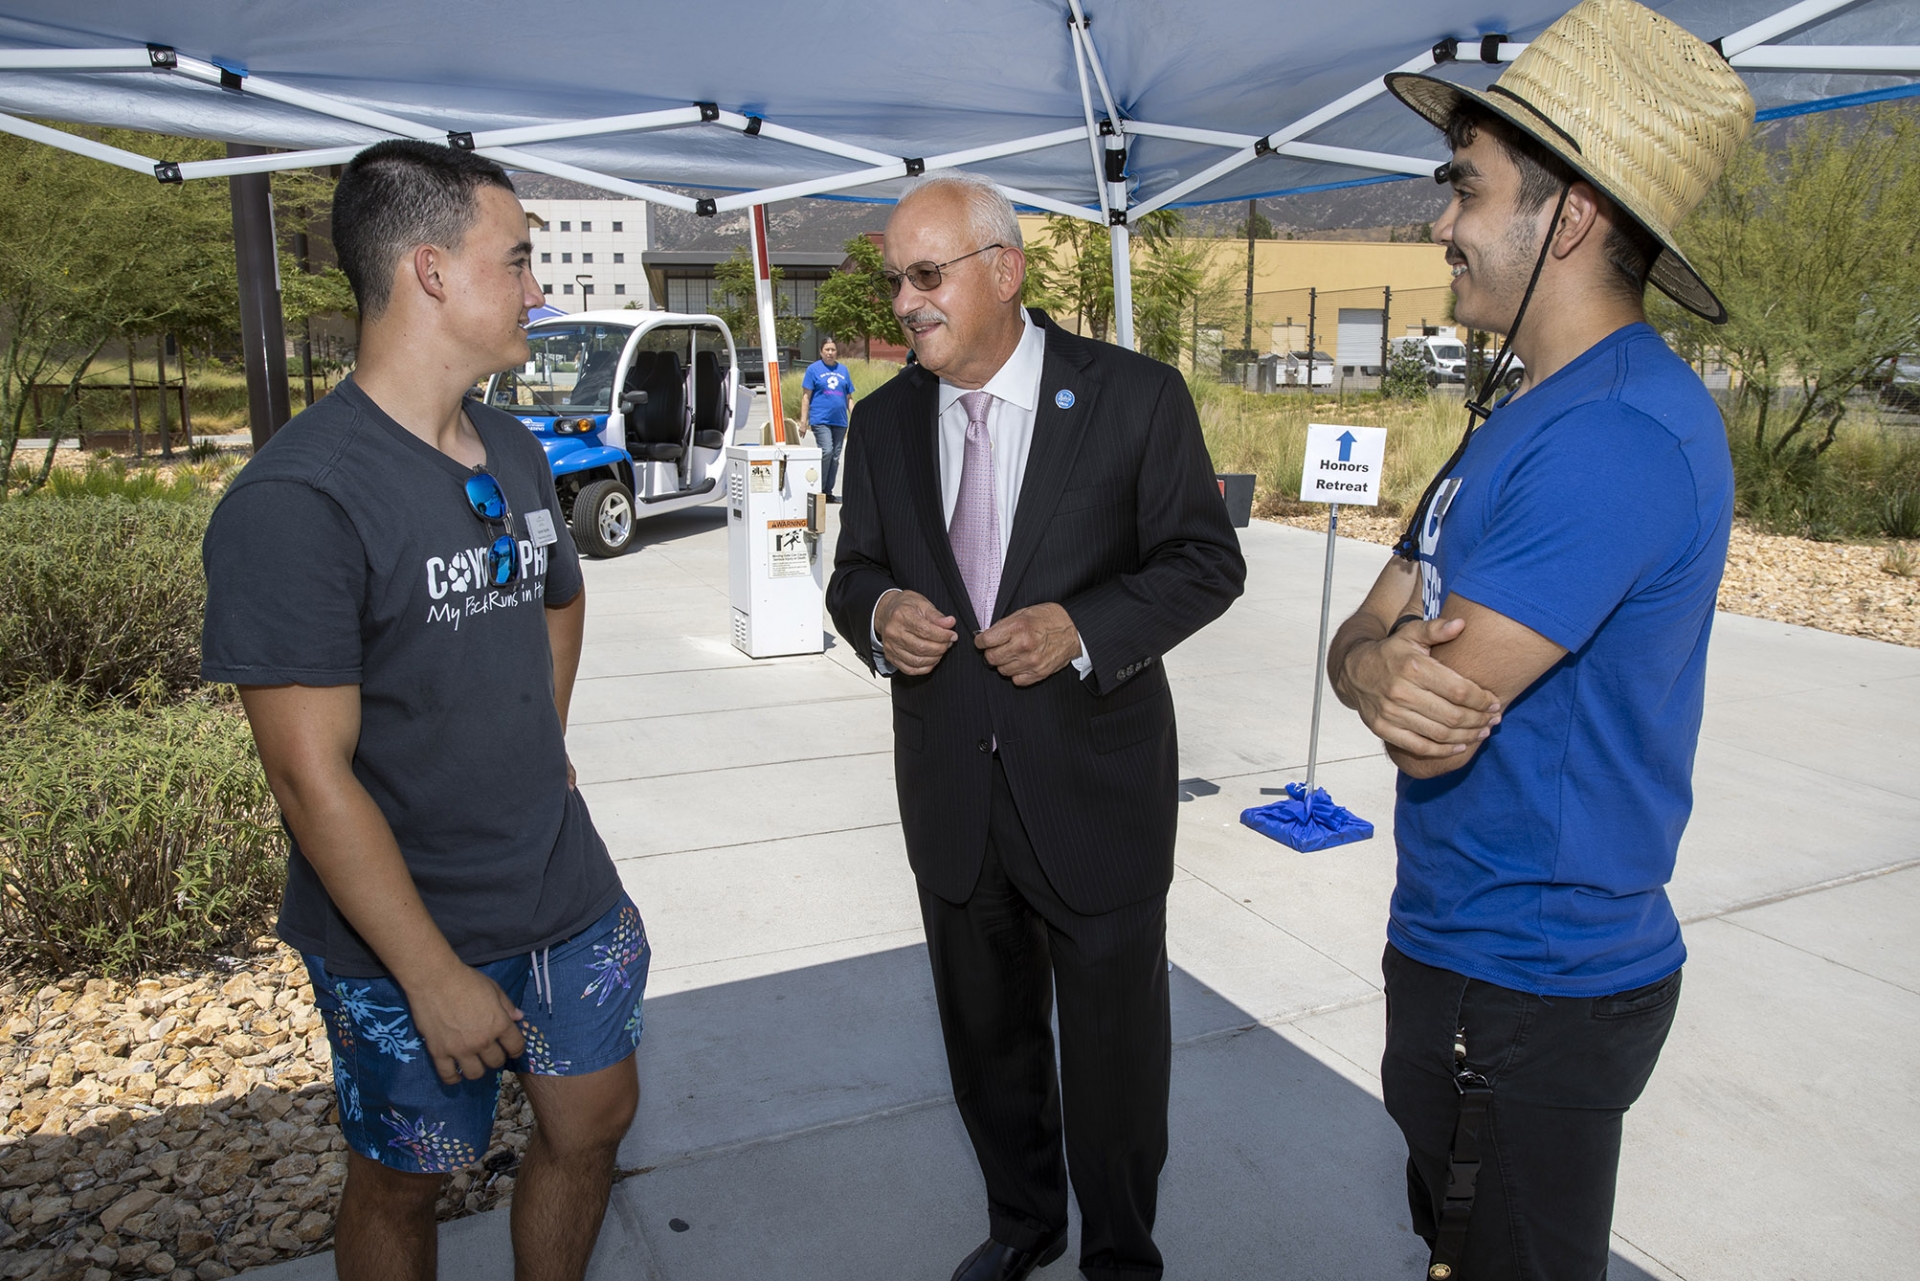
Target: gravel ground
182,1127
1855,588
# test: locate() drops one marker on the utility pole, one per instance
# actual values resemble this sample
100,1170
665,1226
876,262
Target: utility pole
1386,323
1246,341
263,331
1313,299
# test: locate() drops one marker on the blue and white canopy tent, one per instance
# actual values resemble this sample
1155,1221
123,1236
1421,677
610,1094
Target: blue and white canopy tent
1104,113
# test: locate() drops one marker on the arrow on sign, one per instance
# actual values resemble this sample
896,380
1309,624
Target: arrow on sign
1346,446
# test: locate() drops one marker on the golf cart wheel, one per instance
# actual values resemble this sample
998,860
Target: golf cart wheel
603,519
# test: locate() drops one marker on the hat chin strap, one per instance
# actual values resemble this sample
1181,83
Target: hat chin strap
1479,407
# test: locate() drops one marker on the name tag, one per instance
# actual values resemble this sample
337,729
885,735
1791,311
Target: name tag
540,526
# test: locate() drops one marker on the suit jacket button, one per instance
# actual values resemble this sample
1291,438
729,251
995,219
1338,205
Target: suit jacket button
984,746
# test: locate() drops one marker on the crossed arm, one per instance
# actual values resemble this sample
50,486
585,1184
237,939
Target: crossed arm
306,736
1433,690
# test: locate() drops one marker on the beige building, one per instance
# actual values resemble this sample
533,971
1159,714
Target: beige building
1352,293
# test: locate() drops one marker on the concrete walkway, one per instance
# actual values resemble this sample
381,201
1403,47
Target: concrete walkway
796,1121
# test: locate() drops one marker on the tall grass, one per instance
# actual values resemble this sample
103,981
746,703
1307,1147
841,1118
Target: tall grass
1267,436
868,375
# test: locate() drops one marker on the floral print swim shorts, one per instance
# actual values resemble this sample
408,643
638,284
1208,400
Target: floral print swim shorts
581,1005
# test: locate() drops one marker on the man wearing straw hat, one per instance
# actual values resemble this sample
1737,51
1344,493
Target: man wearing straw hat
1534,656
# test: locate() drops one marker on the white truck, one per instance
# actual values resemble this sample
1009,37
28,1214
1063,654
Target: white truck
1443,357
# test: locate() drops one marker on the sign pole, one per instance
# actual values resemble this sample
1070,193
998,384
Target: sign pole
1342,467
1320,664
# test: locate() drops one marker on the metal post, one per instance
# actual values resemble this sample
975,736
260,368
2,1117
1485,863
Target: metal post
306,337
769,335
1313,299
263,332
186,414
1246,340
1386,322
160,376
133,390
1320,663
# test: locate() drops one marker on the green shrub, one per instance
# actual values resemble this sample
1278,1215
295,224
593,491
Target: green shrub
101,593
1866,485
131,832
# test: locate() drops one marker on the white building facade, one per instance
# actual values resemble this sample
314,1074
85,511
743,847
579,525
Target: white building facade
587,253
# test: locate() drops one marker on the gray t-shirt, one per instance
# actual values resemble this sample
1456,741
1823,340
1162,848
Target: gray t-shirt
346,553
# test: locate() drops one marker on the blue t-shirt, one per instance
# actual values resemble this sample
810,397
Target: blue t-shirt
1594,510
830,385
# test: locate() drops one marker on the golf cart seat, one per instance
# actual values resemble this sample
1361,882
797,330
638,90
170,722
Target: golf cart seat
708,429
661,422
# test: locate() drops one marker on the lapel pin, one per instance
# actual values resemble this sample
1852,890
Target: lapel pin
1063,398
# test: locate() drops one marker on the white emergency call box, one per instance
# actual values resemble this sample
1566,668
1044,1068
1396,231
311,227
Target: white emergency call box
775,574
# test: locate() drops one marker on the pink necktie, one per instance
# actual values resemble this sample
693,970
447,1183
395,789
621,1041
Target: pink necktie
974,531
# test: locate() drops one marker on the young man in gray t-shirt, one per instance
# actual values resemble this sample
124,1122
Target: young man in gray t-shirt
391,584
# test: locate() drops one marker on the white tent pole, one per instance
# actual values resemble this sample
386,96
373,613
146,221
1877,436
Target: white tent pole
1120,240
319,104
635,123
769,335
76,144
896,169
1048,203
1381,160
76,60
272,162
1118,235
1789,19
1093,60
514,159
1279,137
1830,57
1180,133
801,138
1086,106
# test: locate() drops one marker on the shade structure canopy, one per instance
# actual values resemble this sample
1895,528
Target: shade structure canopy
1213,99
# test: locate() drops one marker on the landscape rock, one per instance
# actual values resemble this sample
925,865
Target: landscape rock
181,1127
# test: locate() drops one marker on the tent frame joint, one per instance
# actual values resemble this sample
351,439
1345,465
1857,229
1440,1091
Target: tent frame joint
704,207
162,57
168,171
709,111
916,165
460,139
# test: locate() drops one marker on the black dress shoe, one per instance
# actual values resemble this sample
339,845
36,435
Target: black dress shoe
996,1262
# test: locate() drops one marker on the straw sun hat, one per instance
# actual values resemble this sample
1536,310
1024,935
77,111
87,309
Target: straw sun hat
1634,103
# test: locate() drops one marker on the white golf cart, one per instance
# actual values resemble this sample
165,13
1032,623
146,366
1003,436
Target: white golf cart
635,410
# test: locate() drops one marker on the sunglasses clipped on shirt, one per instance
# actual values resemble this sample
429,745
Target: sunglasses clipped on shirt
489,503
925,276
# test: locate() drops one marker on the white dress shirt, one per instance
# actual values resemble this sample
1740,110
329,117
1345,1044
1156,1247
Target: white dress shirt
1015,389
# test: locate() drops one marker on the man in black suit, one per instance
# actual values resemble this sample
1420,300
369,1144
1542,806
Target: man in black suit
1030,521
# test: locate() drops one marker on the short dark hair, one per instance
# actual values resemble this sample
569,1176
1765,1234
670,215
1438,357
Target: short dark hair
399,194
1629,248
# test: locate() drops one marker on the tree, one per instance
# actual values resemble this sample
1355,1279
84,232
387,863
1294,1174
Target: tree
1815,250
89,254
853,302
1175,278
1263,228
736,302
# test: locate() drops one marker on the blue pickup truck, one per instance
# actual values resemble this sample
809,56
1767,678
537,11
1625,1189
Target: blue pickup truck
635,410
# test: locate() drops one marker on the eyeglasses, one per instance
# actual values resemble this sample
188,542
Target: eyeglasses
489,503
925,276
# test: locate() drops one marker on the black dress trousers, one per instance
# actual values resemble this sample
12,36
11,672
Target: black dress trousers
998,959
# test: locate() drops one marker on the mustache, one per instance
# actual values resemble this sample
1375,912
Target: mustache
924,314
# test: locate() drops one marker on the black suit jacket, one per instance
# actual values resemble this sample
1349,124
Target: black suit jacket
1120,522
